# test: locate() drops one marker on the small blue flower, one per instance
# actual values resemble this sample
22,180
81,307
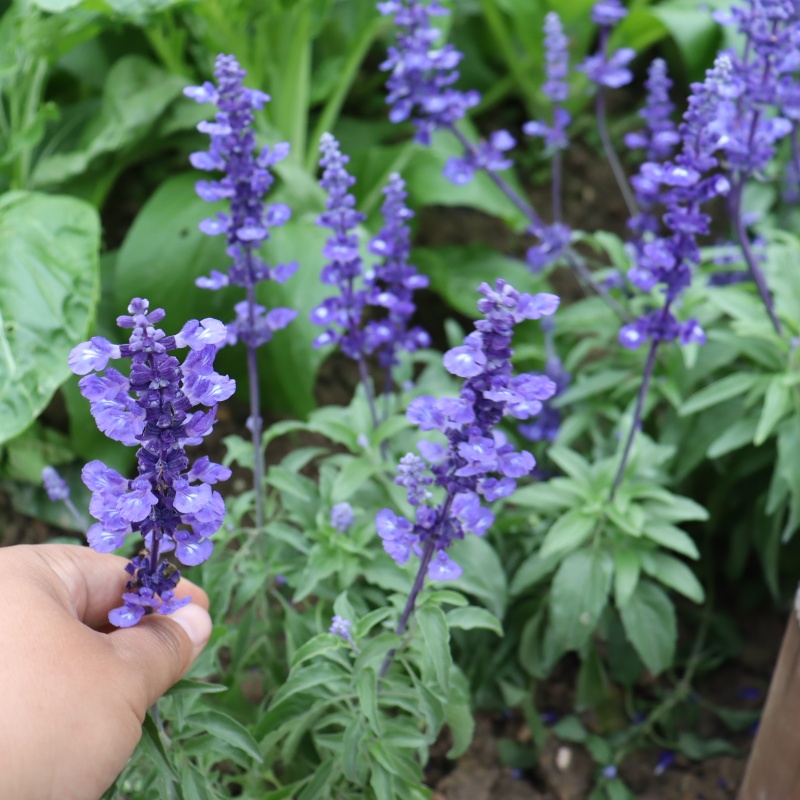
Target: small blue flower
341,627
342,517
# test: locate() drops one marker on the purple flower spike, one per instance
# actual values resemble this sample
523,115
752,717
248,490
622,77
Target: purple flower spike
477,461
171,505
342,517
244,184
421,74
341,627
55,486
341,314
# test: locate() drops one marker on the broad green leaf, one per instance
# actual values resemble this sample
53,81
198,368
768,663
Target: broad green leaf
367,689
735,437
551,496
314,648
436,637
136,94
578,596
473,617
457,272
567,533
649,621
462,727
317,787
718,392
49,287
573,464
152,744
590,386
307,678
570,729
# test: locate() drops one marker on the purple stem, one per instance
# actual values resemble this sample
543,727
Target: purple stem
427,555
419,581
637,415
574,260
611,154
255,415
77,516
556,185
749,256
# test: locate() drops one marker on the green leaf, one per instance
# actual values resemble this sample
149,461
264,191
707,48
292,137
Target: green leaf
224,727
317,787
673,573
473,617
592,385
671,537
188,687
532,571
436,637
649,621
152,744
573,465
692,746
550,496
462,728
136,94
777,403
627,567
314,648
718,392
164,252
49,288
484,576
578,596
735,437
367,689
456,273
356,471
427,185
567,533
310,677
570,729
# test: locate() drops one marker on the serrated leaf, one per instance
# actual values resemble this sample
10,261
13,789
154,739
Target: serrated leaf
648,618
49,288
473,617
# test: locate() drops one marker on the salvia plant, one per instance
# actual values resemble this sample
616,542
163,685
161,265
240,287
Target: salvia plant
471,517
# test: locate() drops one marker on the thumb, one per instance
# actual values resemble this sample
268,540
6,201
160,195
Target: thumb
156,653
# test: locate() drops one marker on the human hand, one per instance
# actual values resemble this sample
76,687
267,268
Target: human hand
73,690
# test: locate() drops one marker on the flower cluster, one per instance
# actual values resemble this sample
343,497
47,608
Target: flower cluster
246,181
170,503
393,281
477,460
422,76
659,137
340,314
342,517
602,68
683,185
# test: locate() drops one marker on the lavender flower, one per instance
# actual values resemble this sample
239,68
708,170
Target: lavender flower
422,75
246,181
610,772
477,461
341,314
342,517
341,627
170,503
393,282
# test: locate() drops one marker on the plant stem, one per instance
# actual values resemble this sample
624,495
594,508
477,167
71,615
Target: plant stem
77,516
557,171
427,555
255,415
573,259
368,391
749,256
611,154
637,415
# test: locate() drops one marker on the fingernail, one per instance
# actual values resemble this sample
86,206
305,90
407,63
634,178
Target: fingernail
197,624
